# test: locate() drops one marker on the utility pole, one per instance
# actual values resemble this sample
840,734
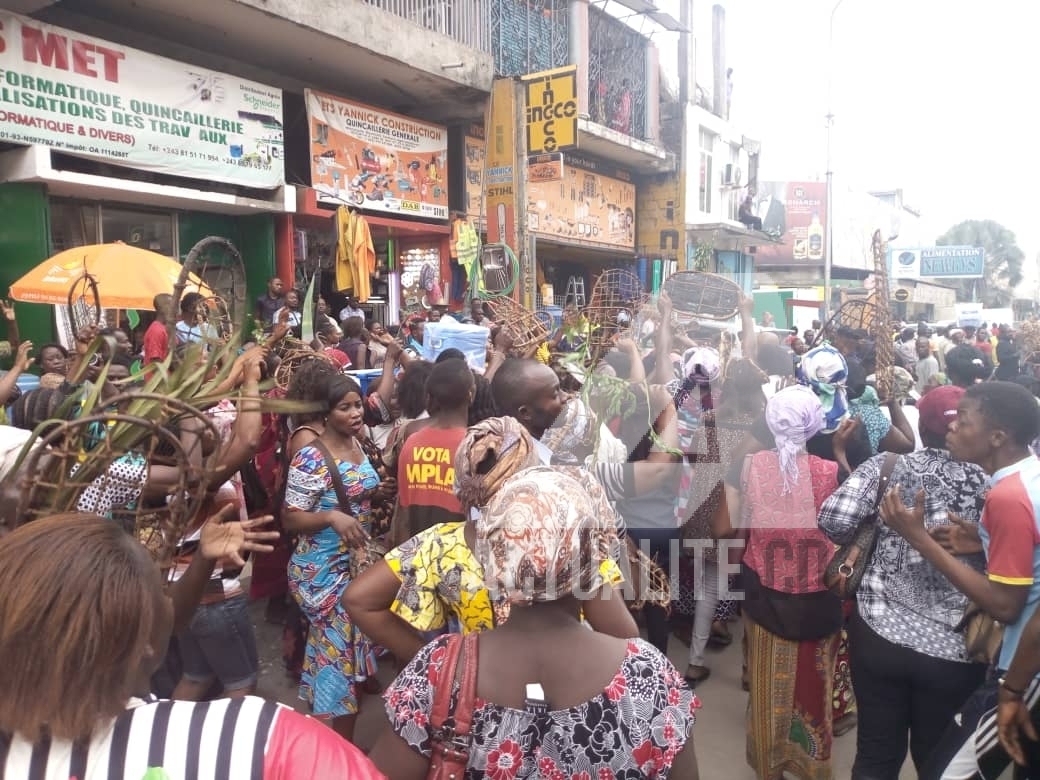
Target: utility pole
828,259
525,245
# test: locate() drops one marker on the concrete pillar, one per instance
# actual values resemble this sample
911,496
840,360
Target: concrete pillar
579,50
718,58
653,93
687,53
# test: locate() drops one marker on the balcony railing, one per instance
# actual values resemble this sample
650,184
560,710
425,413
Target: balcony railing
464,21
617,75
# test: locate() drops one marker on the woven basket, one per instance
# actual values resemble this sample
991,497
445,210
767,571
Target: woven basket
526,328
702,295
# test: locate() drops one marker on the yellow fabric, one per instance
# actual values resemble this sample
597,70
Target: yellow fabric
344,269
364,258
441,578
355,254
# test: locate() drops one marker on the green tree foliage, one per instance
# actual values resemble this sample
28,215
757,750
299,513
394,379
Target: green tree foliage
1004,261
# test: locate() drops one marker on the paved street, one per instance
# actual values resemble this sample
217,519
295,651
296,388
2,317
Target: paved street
719,733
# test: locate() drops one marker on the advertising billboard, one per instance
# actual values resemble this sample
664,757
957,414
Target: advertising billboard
376,160
90,98
937,262
591,205
796,214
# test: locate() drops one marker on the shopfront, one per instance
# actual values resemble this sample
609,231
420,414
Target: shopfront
392,172
582,214
123,145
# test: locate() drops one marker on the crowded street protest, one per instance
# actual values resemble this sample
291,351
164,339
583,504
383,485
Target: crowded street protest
497,390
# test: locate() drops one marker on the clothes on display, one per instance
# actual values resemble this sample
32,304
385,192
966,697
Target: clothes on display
465,249
355,254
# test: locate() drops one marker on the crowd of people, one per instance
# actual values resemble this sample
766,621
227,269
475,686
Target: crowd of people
518,542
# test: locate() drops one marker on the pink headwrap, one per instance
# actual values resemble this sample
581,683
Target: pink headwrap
794,415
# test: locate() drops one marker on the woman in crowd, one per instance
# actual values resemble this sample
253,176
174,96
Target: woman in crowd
909,665
54,365
339,658
435,581
76,671
720,441
612,707
792,622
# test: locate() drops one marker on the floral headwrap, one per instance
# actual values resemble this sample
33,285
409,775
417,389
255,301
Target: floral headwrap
493,451
541,538
824,370
794,415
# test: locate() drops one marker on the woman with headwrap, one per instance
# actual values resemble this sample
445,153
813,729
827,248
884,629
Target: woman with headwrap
434,581
792,622
716,443
613,707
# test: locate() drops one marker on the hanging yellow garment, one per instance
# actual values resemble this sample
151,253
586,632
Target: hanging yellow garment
364,257
344,251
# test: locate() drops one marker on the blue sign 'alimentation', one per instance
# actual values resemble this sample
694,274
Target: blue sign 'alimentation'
953,261
937,262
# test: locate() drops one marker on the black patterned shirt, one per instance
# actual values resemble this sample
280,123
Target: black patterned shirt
903,597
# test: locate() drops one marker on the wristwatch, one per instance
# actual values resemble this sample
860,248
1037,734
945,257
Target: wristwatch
1002,682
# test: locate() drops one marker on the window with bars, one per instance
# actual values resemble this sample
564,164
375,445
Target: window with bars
617,75
707,179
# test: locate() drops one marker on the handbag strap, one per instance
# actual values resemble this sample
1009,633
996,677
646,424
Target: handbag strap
442,694
334,475
884,478
465,648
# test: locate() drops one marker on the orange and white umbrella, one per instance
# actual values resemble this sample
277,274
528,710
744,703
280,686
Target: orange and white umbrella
126,277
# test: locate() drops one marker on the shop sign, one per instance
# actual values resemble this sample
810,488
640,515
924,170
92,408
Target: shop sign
589,206
498,172
552,110
475,148
86,97
545,167
938,262
376,160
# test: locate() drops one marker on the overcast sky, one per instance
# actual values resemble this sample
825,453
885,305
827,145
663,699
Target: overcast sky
936,98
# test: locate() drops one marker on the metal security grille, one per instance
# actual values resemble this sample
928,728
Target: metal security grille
617,75
530,36
464,21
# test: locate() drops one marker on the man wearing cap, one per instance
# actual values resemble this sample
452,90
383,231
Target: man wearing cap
909,668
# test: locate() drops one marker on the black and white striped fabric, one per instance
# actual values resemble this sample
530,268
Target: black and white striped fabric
971,749
223,740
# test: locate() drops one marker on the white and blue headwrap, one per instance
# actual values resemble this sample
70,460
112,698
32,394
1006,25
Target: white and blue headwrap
825,371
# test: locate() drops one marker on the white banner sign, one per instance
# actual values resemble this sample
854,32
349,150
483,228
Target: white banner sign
86,97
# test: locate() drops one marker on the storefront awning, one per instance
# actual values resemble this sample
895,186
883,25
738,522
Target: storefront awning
34,164
730,236
308,207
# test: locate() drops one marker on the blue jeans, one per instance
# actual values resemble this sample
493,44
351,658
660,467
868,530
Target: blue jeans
220,643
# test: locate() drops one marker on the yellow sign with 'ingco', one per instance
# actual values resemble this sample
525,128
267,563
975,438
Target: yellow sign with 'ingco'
552,110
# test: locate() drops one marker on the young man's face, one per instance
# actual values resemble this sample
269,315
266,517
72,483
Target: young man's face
970,436
275,288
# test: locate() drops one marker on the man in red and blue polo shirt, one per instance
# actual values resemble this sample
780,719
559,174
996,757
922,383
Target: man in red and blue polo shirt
994,426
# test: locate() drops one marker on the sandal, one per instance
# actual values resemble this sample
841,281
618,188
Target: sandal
720,635
700,674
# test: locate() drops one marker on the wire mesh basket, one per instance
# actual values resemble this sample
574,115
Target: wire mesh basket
101,463
525,327
617,297
857,314
696,294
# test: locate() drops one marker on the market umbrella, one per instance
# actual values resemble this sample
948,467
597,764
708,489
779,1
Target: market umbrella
126,277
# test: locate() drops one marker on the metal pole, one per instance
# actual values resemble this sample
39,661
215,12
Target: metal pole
828,258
